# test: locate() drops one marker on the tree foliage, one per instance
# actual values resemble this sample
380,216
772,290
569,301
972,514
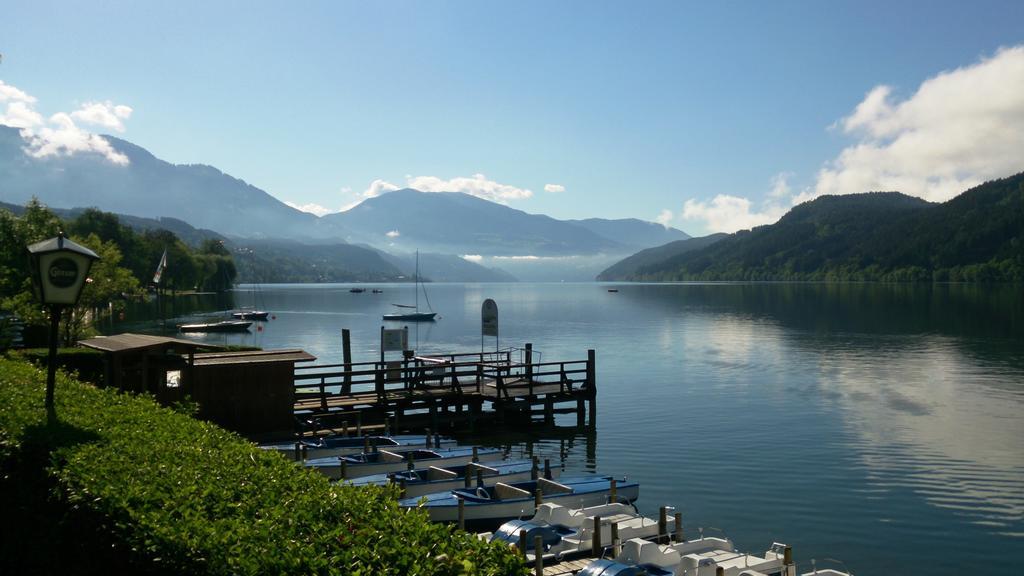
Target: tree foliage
127,262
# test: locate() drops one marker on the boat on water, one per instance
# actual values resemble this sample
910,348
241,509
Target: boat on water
384,461
221,326
504,501
415,315
348,445
701,557
357,290
377,291
433,479
250,314
566,532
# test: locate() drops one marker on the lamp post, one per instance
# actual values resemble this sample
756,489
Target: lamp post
59,268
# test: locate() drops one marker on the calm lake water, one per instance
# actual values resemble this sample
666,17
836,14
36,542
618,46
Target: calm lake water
882,425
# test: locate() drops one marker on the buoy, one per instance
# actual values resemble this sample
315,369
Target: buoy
273,316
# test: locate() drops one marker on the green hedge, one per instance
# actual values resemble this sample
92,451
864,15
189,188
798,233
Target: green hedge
85,362
114,483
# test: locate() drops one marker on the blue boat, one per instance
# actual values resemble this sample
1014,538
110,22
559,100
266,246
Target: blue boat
504,501
441,479
566,532
384,461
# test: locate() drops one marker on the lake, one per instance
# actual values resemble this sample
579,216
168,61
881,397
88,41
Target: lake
879,424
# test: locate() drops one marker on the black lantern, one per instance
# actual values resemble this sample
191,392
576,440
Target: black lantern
59,269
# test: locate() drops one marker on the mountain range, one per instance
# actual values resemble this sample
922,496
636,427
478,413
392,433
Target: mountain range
396,222
888,236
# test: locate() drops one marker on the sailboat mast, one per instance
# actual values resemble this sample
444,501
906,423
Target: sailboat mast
416,281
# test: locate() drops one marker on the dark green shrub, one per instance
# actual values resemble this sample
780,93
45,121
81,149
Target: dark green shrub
113,483
85,362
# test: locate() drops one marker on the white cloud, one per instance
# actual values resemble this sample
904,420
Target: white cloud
730,213
105,114
780,185
554,188
957,130
11,93
20,114
664,217
473,257
60,134
393,234
66,138
476,185
378,187
311,208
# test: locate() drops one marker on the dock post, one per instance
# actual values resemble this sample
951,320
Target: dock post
595,545
402,487
479,477
662,524
366,444
359,423
591,374
462,513
535,469
616,547
549,409
581,412
346,352
437,440
476,454
679,527
719,571
411,461
305,452
427,442
787,556
298,453
547,468
522,543
468,476
529,362
613,496
344,469
344,428
538,498
538,555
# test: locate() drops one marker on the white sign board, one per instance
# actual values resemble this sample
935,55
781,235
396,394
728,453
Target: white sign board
394,340
489,318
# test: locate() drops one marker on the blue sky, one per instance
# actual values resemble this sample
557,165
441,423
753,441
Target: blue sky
711,115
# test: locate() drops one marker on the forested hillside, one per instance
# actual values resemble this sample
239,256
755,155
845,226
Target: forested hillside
977,236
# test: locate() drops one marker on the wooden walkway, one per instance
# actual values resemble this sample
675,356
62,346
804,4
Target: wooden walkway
443,390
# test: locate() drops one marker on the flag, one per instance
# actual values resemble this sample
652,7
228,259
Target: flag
160,268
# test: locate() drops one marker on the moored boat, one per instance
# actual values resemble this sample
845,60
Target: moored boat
701,557
384,461
440,479
348,445
503,501
222,326
250,315
567,532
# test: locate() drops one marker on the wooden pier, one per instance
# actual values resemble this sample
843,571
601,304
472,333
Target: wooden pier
443,391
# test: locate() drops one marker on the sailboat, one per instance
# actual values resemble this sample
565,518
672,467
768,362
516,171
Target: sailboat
252,312
415,316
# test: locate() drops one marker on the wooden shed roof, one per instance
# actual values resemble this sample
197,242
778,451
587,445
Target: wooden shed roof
128,342
254,357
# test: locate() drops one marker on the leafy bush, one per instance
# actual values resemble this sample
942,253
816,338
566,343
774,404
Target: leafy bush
85,362
113,483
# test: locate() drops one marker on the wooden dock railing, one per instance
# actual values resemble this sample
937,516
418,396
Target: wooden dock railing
452,378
